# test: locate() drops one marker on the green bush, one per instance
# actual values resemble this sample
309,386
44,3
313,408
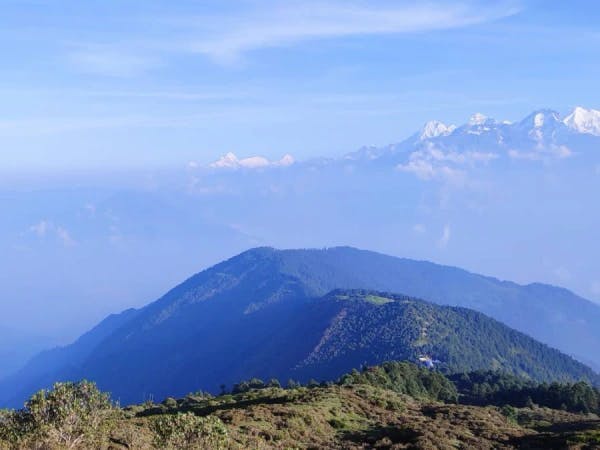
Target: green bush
13,427
404,378
510,413
69,415
170,403
293,384
500,388
245,386
274,383
186,430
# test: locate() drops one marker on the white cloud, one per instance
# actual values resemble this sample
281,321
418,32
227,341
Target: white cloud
542,153
420,168
445,238
426,170
111,60
50,125
41,228
231,161
27,126
419,228
46,228
255,25
64,236
274,24
430,162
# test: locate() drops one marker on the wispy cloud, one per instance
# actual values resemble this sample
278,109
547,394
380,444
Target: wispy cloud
427,170
431,163
274,25
543,153
419,228
110,60
225,38
445,238
37,126
46,228
50,125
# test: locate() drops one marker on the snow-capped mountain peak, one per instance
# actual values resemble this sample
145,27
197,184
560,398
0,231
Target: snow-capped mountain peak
231,161
541,136
227,160
584,120
287,160
478,119
435,128
542,118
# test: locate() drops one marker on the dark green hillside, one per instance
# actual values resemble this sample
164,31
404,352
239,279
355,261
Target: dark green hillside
552,315
369,327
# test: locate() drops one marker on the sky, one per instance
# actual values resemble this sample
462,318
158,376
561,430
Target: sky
141,83
104,103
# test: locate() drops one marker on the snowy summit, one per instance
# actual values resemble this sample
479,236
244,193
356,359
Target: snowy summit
435,128
231,161
584,120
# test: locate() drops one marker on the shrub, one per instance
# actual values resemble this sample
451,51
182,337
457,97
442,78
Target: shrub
186,430
404,378
312,383
13,427
170,403
510,413
256,383
274,383
69,415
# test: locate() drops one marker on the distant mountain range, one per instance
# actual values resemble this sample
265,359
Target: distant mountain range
541,136
316,314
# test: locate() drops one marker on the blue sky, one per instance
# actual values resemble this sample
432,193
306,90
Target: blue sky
91,90
106,84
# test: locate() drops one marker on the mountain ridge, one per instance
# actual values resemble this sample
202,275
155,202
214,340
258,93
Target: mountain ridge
250,296
543,127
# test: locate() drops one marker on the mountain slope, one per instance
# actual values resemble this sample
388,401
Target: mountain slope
551,315
256,315
368,326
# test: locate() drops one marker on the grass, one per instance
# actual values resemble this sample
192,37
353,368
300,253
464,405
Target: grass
377,300
358,416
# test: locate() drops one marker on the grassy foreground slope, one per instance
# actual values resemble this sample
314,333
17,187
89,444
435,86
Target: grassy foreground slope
392,406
